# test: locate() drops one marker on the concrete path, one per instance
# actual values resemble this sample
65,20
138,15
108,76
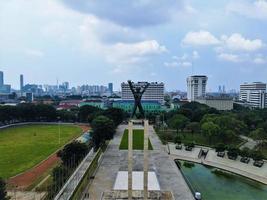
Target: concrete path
251,144
235,166
115,160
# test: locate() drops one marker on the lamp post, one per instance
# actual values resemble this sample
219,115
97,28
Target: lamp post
58,130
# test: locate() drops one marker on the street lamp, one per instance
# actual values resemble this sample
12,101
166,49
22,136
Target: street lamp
58,130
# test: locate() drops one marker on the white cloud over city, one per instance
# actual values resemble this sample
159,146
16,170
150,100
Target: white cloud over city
141,39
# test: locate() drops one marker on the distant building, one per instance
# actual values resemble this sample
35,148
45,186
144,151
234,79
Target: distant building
254,94
1,79
21,83
4,88
93,102
148,106
218,102
29,97
196,87
155,92
37,90
110,88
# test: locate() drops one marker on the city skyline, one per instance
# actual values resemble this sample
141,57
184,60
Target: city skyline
167,43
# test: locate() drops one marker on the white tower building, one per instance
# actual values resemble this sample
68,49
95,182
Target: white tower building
254,94
196,86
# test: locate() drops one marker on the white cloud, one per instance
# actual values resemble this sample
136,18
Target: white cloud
195,55
129,53
256,9
230,57
178,64
259,60
200,38
237,42
95,36
34,53
171,64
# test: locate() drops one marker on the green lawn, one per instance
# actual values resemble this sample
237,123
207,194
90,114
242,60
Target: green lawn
138,140
23,147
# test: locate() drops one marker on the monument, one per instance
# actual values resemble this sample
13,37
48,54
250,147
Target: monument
133,184
138,93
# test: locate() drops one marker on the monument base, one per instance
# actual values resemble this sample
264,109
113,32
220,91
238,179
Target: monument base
137,194
121,182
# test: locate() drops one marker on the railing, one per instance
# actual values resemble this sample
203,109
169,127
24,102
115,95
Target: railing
191,187
70,186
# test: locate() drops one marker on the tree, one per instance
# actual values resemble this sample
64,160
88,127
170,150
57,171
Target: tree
178,122
220,147
87,113
194,127
210,129
73,153
116,114
245,152
233,152
103,129
259,134
257,155
3,193
177,139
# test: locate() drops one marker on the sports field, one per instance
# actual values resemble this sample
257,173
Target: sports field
23,147
138,140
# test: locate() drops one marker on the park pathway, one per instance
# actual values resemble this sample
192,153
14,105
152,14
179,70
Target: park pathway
115,160
251,144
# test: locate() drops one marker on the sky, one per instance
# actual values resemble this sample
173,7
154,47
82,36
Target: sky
102,41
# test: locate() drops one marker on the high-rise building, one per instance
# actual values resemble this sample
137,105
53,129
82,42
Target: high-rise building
21,83
254,94
110,88
1,79
4,88
155,92
196,86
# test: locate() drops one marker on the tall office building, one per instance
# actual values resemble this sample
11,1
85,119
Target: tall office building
4,88
110,88
196,87
21,83
155,92
1,79
254,94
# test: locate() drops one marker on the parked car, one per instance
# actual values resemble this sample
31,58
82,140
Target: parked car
258,163
178,146
245,160
221,154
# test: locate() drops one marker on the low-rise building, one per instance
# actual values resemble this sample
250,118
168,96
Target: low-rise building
94,102
218,102
148,106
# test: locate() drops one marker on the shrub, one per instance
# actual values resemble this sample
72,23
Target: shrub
245,152
220,147
188,164
256,155
177,140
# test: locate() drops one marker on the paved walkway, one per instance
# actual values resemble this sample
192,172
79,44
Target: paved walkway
115,160
251,144
235,166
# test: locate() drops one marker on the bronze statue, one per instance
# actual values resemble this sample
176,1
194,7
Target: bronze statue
137,93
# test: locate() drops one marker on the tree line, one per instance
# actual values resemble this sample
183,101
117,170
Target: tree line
219,126
47,113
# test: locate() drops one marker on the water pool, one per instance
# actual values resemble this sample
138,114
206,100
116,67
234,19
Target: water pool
220,185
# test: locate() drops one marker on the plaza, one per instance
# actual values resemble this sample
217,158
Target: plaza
115,161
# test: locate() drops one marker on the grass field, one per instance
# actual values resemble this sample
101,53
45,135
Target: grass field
23,147
138,140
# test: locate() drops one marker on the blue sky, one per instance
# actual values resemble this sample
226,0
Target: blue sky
101,41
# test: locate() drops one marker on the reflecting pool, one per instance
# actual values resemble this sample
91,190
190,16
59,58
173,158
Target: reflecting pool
221,185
